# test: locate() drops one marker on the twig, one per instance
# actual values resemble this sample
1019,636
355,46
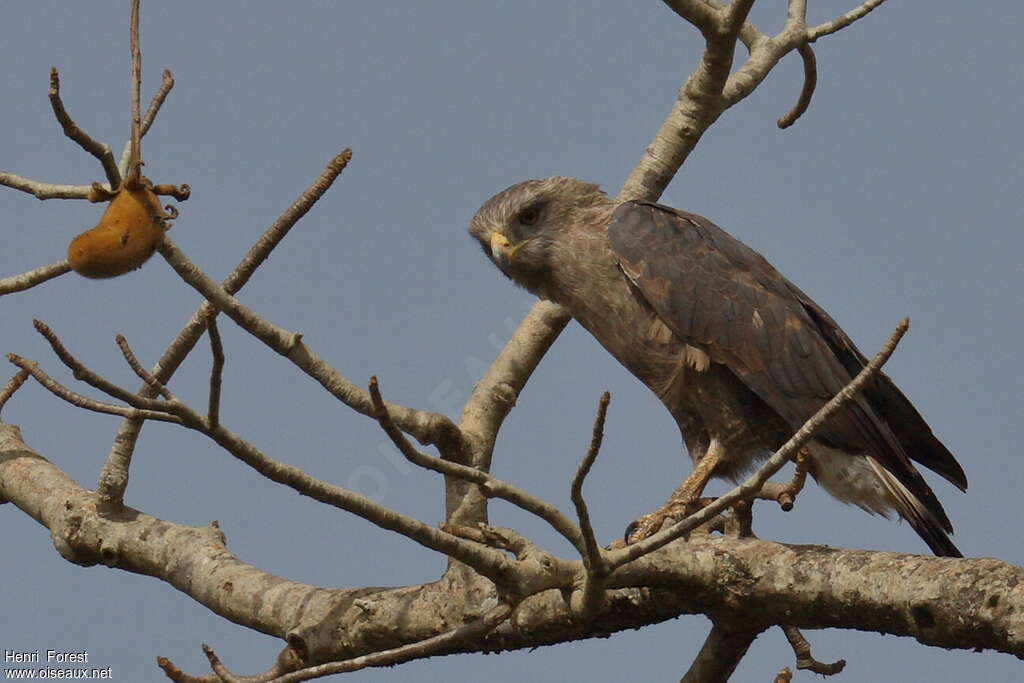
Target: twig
44,190
491,486
142,373
843,21
80,401
97,149
752,485
592,557
502,538
12,385
593,561
699,104
424,648
216,370
485,561
426,427
804,658
166,84
789,491
482,560
218,667
723,649
114,478
697,12
133,177
36,276
277,338
84,374
287,661
807,91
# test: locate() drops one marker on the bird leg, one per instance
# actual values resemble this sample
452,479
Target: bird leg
678,504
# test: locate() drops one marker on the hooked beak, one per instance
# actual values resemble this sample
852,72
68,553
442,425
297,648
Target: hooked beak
502,250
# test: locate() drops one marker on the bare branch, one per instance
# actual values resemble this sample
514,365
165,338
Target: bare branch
166,84
114,478
44,190
491,486
142,373
133,177
37,276
216,370
277,338
176,412
698,12
84,374
592,557
287,661
786,494
483,560
457,637
752,485
842,22
699,104
722,651
290,345
12,385
75,399
496,393
71,129
940,601
221,671
804,658
592,597
810,83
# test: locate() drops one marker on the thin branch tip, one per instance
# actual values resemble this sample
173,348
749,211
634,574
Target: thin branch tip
807,90
12,386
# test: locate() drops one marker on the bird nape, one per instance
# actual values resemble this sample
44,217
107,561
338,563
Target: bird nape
739,355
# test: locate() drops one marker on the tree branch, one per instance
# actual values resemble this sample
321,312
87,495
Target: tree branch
13,384
37,276
491,486
457,637
166,84
804,658
71,129
721,653
959,603
44,190
589,600
843,21
807,91
114,478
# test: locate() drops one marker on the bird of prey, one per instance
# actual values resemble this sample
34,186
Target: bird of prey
739,355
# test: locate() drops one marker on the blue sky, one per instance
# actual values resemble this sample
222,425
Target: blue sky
897,194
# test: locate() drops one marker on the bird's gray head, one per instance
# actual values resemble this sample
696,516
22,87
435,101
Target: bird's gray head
521,228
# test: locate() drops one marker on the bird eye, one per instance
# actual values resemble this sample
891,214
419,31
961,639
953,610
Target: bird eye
529,216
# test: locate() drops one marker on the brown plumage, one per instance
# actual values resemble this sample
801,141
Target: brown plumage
738,354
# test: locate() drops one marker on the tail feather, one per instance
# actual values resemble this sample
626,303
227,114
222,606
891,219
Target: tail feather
929,527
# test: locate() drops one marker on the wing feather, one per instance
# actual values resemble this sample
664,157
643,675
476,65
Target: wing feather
721,296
